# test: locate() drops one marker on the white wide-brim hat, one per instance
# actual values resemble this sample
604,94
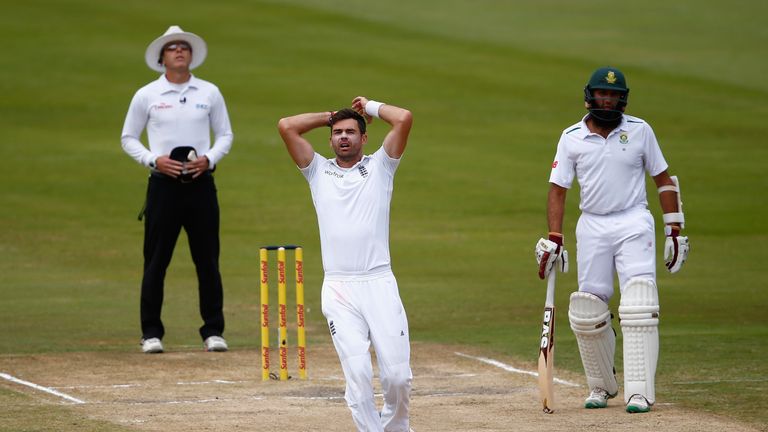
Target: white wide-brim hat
175,33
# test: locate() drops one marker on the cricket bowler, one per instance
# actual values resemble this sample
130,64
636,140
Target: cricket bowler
360,299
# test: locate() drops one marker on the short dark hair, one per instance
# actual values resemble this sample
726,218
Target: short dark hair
347,113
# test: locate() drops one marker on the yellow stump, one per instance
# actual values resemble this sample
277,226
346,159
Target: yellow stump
282,314
301,339
264,273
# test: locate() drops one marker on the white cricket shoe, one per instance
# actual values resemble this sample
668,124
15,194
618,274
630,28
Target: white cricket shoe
638,404
215,343
152,346
598,398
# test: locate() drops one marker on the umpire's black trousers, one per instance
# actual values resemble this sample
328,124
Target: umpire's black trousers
194,206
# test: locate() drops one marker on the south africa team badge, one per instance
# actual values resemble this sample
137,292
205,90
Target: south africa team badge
623,138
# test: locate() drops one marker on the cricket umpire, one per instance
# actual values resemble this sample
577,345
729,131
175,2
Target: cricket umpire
609,153
179,111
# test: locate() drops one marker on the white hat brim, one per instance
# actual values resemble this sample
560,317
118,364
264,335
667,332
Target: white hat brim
174,33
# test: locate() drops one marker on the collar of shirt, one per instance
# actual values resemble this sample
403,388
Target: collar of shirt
584,131
333,162
167,86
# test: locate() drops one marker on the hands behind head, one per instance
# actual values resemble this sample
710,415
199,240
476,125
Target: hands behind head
358,104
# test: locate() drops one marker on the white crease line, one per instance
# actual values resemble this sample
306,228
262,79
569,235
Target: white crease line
721,381
216,381
509,368
312,397
288,398
443,394
41,388
98,386
177,402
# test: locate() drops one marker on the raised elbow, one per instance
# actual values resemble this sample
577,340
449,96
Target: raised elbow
406,118
284,125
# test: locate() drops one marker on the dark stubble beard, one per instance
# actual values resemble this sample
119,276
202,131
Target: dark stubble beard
606,124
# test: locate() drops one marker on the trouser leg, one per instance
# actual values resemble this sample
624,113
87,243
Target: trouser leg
350,335
202,226
161,230
389,334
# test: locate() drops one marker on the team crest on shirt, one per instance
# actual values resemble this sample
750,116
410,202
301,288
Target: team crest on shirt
623,138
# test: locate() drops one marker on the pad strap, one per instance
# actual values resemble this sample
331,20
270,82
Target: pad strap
674,218
668,188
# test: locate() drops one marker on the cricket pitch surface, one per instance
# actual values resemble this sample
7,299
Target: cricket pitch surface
454,389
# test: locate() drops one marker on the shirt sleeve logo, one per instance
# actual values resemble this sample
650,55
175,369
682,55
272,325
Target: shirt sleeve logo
554,164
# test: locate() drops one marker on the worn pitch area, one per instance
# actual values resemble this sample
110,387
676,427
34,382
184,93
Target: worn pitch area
194,390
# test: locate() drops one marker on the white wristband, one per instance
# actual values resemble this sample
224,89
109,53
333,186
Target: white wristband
372,108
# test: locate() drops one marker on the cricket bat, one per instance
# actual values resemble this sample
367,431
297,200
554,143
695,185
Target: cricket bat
547,348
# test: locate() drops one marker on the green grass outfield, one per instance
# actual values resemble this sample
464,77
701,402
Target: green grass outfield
491,85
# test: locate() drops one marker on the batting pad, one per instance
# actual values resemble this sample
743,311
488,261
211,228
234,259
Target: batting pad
639,315
591,323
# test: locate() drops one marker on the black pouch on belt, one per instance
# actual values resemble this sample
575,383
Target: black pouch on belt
184,154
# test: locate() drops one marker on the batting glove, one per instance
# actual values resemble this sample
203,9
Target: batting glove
550,253
676,249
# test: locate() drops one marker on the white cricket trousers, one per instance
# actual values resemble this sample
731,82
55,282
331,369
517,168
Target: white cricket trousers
623,240
361,310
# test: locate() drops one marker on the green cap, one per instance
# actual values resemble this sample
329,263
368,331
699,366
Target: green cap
608,78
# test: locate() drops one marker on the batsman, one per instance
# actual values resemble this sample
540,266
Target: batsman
609,152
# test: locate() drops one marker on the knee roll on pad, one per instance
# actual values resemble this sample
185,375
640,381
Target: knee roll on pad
590,321
639,315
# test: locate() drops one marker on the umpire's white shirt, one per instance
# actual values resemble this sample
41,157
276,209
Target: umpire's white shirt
610,171
352,207
177,115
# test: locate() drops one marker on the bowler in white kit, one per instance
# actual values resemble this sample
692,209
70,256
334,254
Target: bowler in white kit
609,152
360,298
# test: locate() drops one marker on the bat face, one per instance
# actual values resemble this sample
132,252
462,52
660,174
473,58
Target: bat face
546,359
547,332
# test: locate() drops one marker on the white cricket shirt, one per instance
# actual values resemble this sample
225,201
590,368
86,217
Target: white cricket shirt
352,206
177,115
610,172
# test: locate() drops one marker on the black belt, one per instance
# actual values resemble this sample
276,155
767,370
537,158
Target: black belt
159,175
181,178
